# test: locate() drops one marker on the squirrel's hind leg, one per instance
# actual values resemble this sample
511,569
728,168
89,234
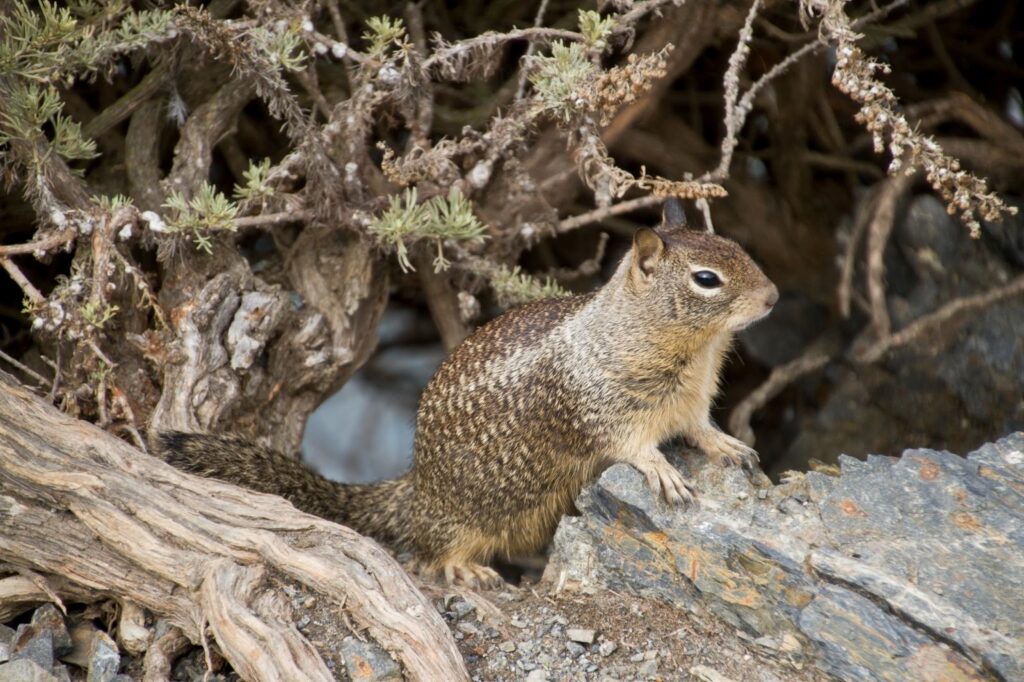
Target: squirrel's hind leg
474,575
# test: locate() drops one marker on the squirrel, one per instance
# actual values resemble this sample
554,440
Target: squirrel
535,404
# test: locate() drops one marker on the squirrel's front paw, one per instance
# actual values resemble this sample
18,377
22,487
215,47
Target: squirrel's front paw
724,448
664,479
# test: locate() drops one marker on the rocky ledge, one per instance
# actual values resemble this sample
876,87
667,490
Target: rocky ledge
897,568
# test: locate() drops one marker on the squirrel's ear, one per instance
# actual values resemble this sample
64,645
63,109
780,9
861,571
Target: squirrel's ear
673,216
648,247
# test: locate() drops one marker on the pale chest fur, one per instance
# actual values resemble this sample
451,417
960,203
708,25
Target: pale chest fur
680,411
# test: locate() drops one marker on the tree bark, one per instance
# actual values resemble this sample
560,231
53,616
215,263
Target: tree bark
95,516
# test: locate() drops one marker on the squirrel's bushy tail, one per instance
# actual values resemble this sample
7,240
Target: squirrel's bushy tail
372,509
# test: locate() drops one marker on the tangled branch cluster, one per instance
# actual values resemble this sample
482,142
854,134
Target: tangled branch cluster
856,75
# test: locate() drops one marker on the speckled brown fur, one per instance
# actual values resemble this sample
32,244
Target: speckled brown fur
535,404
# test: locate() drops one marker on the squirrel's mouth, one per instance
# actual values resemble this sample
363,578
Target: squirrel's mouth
751,320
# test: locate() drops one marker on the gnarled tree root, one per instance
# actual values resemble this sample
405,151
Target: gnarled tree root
95,516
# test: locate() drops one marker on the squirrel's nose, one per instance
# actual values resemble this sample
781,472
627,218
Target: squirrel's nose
772,297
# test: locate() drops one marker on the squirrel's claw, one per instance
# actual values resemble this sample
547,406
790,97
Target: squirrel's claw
730,451
472,575
665,480
465,574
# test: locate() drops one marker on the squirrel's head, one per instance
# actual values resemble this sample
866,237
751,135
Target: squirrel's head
697,278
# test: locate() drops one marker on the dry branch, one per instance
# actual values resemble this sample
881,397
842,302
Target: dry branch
94,515
878,237
934,321
781,377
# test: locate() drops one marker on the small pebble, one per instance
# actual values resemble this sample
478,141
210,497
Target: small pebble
537,676
575,649
462,608
742,496
581,635
507,647
607,648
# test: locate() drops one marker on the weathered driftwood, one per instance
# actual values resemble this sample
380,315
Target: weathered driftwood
96,516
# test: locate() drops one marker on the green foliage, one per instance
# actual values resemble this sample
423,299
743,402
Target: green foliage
440,218
112,203
48,41
514,287
97,313
595,29
255,187
283,49
559,77
29,108
382,32
208,211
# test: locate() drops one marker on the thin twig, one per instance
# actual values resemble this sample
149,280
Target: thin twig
340,47
24,368
705,208
487,39
523,71
600,214
878,237
19,278
844,290
100,354
272,219
735,114
639,10
339,30
782,376
52,395
932,321
44,244
587,268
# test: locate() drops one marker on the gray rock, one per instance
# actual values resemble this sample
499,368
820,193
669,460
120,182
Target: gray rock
49,617
34,643
706,674
25,670
6,638
648,669
575,650
104,659
537,676
461,608
368,661
905,568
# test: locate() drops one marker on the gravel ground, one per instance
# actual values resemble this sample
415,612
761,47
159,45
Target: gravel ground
525,634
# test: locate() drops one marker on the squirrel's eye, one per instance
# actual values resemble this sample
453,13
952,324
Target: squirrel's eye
707,279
